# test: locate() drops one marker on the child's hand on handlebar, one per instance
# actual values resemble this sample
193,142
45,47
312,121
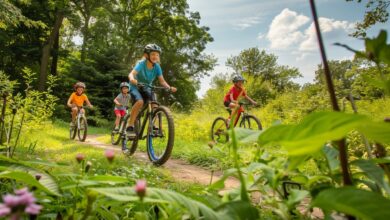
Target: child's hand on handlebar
172,89
134,81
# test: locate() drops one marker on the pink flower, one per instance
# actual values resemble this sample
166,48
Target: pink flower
80,157
140,188
33,209
4,210
14,204
110,154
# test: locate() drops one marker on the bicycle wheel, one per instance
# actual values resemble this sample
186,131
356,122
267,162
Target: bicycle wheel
131,143
251,122
160,136
82,130
219,130
72,132
116,135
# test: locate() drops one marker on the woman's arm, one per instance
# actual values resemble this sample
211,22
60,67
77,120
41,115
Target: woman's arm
117,102
132,77
88,103
251,100
165,84
69,103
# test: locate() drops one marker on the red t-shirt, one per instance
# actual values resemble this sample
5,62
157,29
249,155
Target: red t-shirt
236,92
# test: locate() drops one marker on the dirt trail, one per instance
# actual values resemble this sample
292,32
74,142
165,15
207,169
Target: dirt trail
182,171
178,169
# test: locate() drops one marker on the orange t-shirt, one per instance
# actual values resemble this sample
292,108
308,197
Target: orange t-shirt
78,99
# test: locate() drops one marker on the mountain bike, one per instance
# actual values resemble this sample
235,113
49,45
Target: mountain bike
80,127
220,125
117,134
160,130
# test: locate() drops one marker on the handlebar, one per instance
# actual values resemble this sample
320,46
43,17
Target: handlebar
140,85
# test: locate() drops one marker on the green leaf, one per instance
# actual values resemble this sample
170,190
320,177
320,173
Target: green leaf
247,135
48,181
376,131
312,133
373,172
331,156
154,195
238,210
356,202
108,179
296,196
26,178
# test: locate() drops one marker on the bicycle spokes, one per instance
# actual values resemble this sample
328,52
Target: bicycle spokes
160,136
219,130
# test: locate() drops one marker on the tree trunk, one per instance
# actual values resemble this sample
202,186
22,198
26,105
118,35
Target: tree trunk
85,39
54,60
46,50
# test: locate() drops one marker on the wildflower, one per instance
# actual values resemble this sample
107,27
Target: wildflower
140,188
4,210
88,166
110,154
22,202
80,157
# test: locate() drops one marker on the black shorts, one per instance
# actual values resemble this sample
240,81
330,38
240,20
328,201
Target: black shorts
226,103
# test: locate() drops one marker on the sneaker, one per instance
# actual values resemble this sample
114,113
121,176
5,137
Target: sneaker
116,129
130,131
72,124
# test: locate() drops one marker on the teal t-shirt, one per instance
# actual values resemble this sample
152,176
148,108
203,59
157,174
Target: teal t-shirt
146,75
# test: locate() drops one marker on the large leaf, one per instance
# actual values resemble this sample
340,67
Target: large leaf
238,210
247,135
108,179
356,202
373,172
331,156
27,179
376,131
154,195
313,132
46,179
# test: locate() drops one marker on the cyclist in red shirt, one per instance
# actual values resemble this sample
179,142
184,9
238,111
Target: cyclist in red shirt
235,92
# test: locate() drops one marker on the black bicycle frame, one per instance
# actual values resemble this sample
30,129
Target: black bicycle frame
149,115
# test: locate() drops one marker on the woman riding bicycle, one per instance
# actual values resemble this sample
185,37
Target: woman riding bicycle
235,92
76,100
145,72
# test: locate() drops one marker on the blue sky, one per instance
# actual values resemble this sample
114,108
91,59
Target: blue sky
281,27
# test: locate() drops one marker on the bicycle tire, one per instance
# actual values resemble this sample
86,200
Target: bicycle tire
219,130
116,135
83,129
72,132
130,144
251,122
159,145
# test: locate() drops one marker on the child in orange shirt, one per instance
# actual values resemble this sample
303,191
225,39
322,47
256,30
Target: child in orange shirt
77,99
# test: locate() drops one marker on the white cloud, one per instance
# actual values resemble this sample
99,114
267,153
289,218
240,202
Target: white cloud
331,29
284,29
247,22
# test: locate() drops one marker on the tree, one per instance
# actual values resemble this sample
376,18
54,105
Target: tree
265,78
376,12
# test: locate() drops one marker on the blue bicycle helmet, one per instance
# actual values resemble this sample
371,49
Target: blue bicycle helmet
152,48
